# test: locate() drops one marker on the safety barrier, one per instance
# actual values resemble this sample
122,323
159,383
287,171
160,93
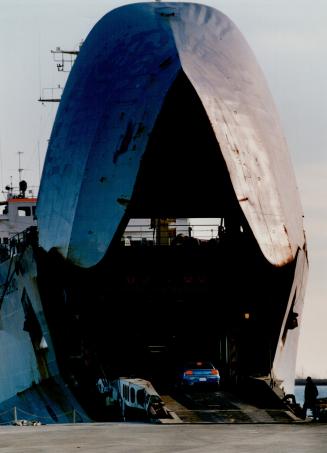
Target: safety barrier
169,233
20,417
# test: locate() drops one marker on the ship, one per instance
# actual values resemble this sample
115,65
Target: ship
165,115
18,214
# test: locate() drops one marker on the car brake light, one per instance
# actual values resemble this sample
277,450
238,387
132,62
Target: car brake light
188,372
214,372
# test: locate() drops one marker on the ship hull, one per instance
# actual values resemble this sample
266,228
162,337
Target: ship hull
165,115
31,385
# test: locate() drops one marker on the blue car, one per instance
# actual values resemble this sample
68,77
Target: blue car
198,373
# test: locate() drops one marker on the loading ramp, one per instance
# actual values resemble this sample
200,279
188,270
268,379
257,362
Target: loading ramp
221,407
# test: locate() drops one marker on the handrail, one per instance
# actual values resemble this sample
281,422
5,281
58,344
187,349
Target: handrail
171,234
34,419
18,242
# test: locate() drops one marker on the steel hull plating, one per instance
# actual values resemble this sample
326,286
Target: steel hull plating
31,386
158,85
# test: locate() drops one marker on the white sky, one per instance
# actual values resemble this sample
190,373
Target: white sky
289,39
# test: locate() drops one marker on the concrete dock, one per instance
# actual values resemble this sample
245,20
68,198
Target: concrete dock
146,438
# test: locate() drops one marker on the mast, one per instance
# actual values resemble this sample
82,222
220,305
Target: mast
64,60
20,170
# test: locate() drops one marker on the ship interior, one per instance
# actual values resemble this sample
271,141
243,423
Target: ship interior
158,301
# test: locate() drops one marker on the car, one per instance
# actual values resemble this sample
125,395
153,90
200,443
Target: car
198,373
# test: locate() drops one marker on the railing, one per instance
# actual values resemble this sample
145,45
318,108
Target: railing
171,234
17,243
20,417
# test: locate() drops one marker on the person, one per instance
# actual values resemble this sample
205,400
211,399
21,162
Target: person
310,398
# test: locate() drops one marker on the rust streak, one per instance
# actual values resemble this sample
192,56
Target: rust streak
125,142
164,64
140,130
123,201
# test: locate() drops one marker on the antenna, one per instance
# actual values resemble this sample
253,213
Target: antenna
20,170
64,58
38,155
51,94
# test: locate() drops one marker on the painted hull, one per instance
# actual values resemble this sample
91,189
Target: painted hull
31,386
111,102
155,86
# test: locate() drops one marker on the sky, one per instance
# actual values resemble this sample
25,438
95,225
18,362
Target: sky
289,40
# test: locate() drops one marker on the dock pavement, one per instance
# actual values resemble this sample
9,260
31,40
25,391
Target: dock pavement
150,438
